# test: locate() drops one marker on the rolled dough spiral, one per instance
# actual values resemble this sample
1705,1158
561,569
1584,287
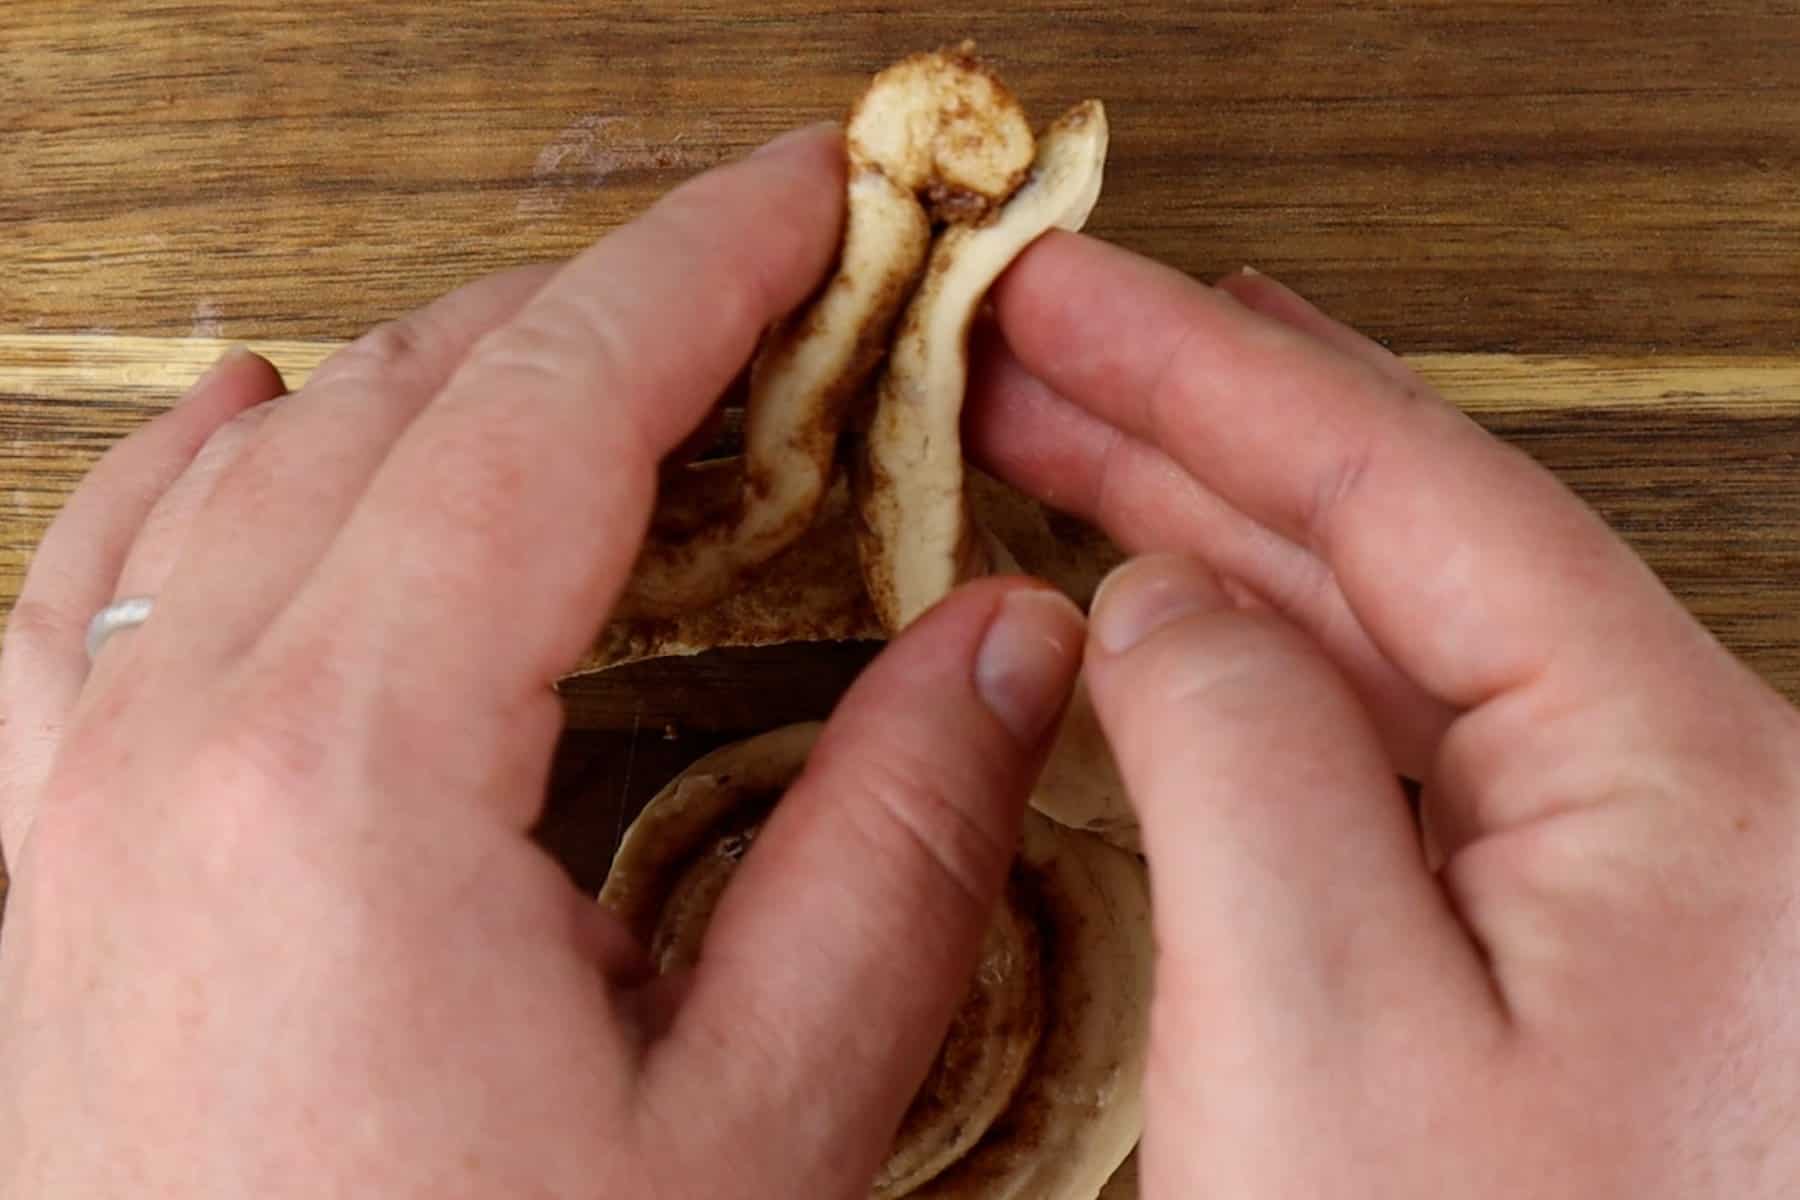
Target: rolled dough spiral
1035,1093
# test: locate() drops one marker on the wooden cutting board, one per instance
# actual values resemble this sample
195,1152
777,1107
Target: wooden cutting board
1582,221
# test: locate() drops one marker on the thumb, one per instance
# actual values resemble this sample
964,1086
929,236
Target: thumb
1297,924
846,939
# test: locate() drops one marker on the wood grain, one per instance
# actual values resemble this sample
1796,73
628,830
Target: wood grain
1476,175
1579,218
1692,459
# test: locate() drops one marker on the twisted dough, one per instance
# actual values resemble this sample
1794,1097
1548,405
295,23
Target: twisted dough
1035,1093
917,541
813,591
1036,1090
935,136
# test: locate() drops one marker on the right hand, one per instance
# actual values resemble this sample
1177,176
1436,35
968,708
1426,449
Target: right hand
1582,981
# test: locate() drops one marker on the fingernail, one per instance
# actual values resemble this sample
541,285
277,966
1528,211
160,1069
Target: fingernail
1249,270
1028,659
792,139
1141,596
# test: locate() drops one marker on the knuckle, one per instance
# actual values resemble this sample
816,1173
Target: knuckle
268,758
533,352
231,438
1109,496
540,361
35,624
1333,494
908,805
399,348
1223,653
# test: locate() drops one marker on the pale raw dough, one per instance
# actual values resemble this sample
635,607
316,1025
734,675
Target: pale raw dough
1044,1099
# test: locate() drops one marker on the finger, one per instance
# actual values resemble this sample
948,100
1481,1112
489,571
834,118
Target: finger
1019,429
251,534
1453,810
160,538
847,938
1473,571
1470,566
1296,921
1275,300
509,515
73,574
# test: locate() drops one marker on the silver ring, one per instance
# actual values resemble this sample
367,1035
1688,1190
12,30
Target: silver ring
128,613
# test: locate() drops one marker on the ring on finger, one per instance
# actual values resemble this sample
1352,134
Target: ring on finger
126,613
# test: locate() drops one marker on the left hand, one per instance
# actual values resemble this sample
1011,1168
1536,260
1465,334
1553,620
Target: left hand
277,928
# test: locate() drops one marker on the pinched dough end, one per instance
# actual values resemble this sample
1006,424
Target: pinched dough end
943,126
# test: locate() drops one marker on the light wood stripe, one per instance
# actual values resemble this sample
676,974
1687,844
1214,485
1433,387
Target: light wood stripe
89,366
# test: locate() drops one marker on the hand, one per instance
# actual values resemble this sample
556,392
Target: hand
1584,982
277,928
